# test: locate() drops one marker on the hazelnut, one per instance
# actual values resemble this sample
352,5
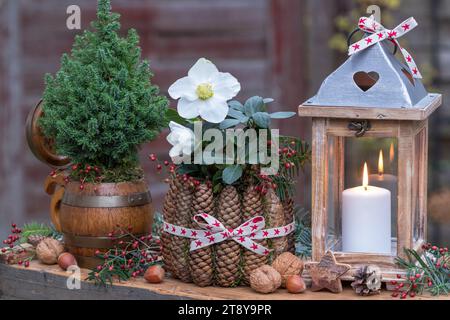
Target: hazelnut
48,250
154,274
65,260
265,279
295,284
287,265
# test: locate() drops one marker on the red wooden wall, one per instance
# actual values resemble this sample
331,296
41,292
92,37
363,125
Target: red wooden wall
259,41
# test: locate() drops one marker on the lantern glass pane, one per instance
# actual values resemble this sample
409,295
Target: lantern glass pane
362,215
419,187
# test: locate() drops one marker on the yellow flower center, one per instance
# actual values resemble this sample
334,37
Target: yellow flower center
205,91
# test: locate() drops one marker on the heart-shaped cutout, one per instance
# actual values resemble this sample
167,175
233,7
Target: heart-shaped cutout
366,80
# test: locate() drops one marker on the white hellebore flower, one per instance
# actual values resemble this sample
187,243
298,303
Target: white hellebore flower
182,139
205,92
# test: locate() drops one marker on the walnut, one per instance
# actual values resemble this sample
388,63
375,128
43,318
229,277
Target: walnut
287,265
265,279
48,250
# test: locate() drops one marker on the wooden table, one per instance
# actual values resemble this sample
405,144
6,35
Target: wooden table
49,282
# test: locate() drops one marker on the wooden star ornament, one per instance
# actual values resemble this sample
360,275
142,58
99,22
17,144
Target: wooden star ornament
326,273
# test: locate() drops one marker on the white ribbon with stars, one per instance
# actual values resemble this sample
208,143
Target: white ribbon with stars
380,33
213,231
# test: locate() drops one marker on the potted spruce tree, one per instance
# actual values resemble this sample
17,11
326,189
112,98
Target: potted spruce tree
98,109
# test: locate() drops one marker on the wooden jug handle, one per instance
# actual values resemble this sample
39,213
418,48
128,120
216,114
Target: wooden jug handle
54,186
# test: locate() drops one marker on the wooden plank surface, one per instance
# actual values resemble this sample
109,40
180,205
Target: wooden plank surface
49,282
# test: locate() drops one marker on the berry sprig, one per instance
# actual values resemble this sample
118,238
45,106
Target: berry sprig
428,272
85,174
129,258
12,241
171,170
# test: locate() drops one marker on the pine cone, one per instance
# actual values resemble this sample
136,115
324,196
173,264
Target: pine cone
169,210
252,206
180,245
201,261
288,205
228,253
34,239
367,281
275,215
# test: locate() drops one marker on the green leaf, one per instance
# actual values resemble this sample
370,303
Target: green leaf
228,123
232,174
253,105
172,115
282,115
237,115
236,105
262,119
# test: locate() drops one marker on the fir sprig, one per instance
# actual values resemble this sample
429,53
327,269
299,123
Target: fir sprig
426,272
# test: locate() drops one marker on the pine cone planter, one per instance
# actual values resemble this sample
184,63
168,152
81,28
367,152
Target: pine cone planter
252,206
180,245
275,215
226,263
228,253
201,262
288,205
169,211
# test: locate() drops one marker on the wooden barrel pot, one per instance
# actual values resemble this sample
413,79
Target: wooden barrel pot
87,216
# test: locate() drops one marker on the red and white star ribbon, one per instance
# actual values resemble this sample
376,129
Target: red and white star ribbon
213,231
380,33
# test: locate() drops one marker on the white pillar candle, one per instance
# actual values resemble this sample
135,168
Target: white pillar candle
366,219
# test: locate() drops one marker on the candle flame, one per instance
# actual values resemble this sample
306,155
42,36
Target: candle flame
380,164
365,176
391,153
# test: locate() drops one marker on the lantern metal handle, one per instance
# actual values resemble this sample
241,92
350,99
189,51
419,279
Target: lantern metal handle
361,127
350,36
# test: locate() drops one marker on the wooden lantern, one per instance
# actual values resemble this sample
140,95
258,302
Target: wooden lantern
370,104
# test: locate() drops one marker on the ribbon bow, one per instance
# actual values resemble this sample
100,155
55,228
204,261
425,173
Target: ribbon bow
380,33
215,232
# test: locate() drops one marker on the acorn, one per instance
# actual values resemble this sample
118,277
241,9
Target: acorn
154,274
65,260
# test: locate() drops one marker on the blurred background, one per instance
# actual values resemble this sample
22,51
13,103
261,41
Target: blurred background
276,48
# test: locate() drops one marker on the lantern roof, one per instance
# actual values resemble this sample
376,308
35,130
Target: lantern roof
371,80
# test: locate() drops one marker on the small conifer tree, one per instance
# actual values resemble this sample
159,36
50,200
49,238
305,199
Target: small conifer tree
100,106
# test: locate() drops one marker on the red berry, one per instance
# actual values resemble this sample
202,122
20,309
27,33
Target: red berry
81,187
434,248
152,157
395,295
412,294
14,225
404,294
99,268
430,284
414,286
401,285
97,252
159,167
287,165
27,264
399,276
20,262
3,250
111,268
418,276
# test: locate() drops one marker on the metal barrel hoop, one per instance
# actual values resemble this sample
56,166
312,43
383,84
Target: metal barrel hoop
85,201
